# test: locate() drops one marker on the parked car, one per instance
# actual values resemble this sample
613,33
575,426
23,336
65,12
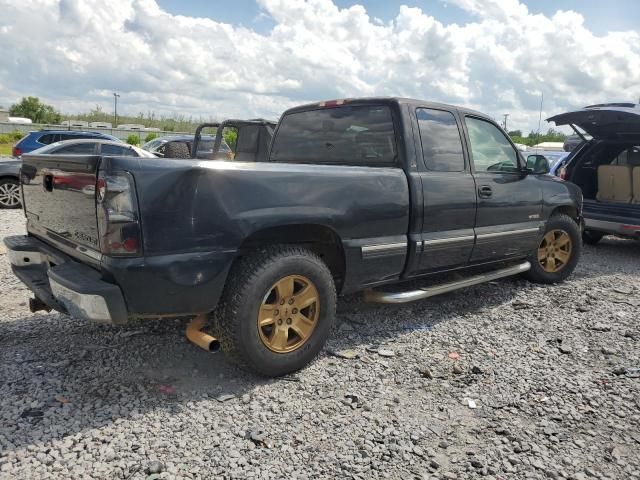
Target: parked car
93,146
552,160
34,140
354,195
571,142
10,183
171,145
606,168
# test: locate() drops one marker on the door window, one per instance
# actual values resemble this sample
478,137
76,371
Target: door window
76,149
441,142
490,149
45,139
48,139
108,149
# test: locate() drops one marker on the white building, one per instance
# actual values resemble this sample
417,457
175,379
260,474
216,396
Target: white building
131,126
550,146
100,125
22,120
75,123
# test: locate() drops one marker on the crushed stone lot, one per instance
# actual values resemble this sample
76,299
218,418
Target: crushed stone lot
502,380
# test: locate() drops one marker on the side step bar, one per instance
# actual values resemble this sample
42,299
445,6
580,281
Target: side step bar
375,296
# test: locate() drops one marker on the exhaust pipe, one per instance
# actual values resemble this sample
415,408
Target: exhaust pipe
196,336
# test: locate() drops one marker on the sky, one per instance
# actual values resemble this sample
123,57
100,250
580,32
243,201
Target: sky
255,58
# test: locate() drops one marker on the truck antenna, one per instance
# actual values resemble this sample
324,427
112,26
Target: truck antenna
539,120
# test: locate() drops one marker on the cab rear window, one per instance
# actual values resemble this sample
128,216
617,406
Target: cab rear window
359,135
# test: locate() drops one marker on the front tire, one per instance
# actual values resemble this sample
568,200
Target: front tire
277,310
558,251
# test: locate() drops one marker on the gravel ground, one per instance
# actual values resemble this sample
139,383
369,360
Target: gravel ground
503,380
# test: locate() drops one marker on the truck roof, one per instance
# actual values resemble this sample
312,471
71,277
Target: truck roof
383,100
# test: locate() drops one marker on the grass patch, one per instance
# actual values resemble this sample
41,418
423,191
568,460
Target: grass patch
5,149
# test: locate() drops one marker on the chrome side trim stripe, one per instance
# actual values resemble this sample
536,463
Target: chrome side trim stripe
508,233
441,241
383,247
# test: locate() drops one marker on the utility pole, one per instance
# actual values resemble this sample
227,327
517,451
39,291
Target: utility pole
115,109
506,115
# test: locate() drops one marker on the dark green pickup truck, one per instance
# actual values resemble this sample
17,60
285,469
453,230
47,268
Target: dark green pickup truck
353,195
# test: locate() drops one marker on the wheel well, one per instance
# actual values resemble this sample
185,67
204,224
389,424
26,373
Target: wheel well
567,210
320,239
12,177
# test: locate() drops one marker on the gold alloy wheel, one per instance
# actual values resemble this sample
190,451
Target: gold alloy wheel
554,251
288,314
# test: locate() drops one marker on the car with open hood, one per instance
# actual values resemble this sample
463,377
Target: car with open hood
606,167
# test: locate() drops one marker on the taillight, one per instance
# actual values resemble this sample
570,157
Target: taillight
118,222
16,151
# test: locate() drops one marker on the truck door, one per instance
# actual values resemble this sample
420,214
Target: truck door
509,201
448,191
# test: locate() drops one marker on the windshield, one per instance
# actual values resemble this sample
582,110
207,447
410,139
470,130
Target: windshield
347,135
143,153
152,144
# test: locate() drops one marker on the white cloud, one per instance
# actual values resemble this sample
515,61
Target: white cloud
74,53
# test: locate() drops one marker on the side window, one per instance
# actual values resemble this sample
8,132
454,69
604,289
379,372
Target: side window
441,142
490,149
77,149
45,139
108,149
48,139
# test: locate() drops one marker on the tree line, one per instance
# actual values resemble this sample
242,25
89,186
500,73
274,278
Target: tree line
38,112
536,137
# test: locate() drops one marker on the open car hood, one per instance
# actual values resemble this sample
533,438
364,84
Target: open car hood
612,121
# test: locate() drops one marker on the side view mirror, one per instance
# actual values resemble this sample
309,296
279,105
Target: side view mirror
538,164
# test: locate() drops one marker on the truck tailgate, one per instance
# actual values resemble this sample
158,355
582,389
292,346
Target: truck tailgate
59,193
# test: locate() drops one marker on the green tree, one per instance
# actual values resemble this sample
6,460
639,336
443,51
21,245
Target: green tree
231,137
515,133
33,108
133,139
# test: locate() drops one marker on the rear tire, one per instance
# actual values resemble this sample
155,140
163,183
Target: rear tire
558,251
592,237
257,321
10,193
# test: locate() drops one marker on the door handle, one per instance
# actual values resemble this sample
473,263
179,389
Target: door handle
485,191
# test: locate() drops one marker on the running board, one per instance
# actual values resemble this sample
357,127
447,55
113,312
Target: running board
375,296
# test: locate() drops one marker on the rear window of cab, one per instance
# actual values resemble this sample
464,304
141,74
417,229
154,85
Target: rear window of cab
357,135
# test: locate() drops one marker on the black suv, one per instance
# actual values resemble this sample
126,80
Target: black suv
606,168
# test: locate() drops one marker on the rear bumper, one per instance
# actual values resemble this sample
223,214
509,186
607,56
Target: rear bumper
164,285
616,226
64,284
